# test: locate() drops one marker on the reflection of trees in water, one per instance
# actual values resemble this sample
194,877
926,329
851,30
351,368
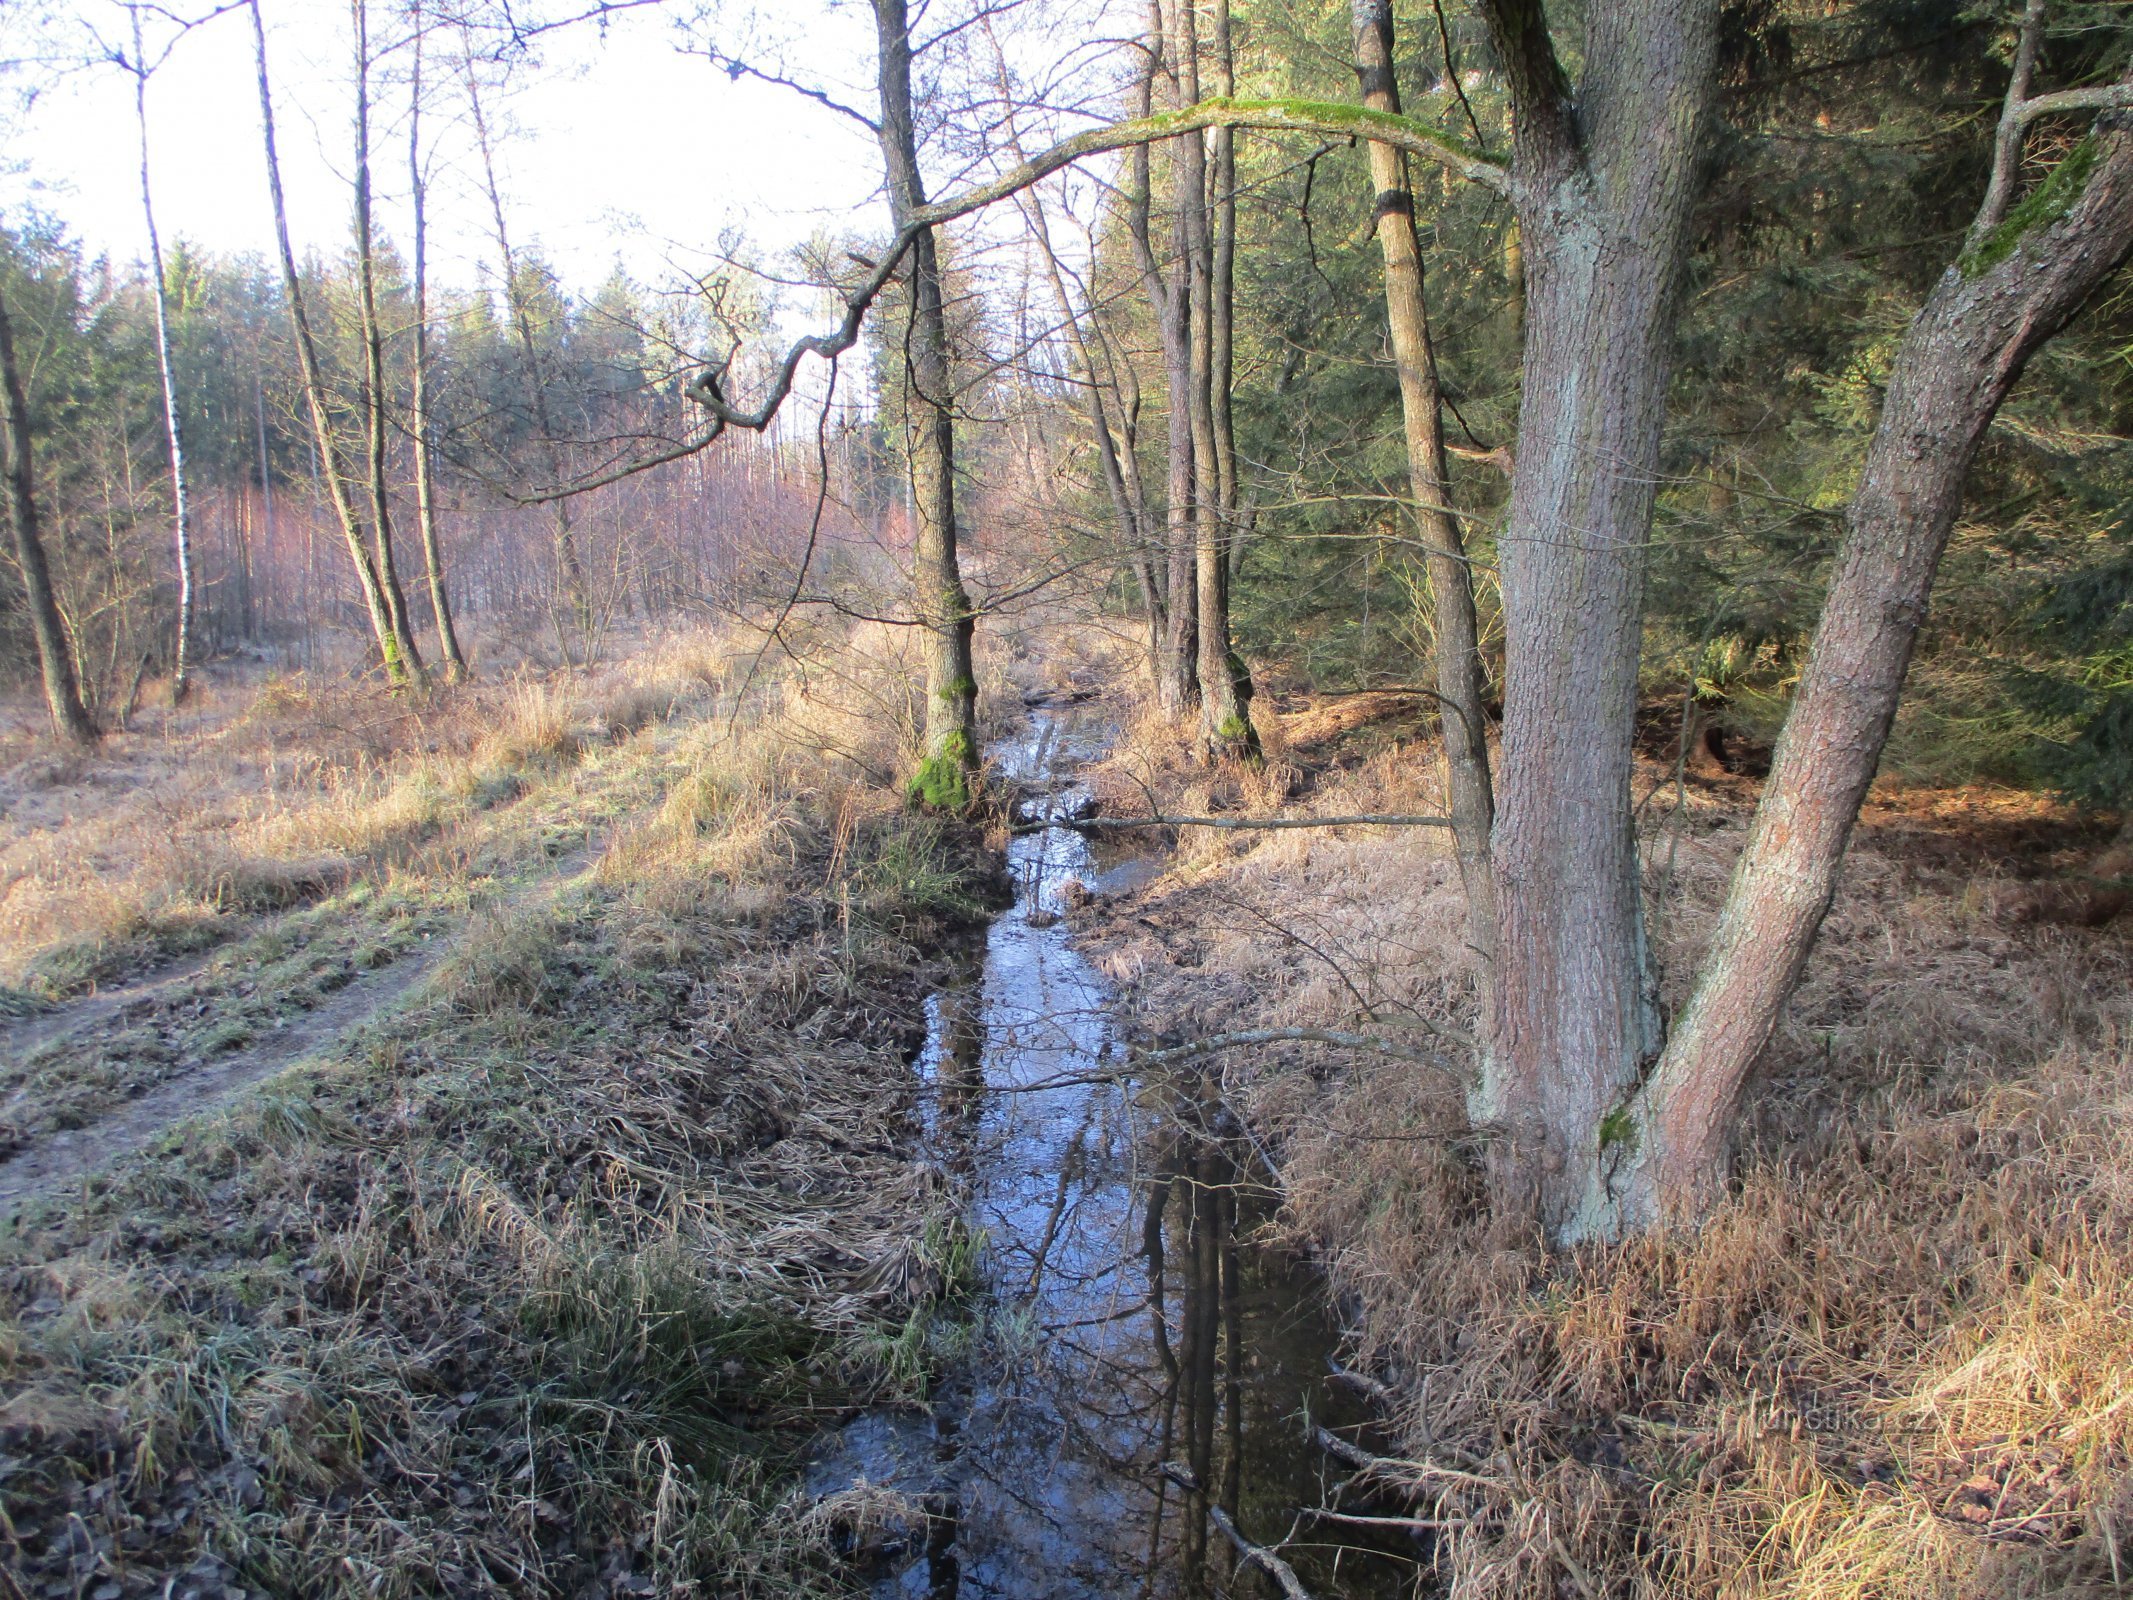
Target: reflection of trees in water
959,1075
1192,1198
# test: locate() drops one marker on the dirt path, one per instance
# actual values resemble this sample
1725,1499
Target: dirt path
31,1034
51,1161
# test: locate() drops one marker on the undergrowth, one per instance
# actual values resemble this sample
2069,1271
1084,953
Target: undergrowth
1896,1362
536,1287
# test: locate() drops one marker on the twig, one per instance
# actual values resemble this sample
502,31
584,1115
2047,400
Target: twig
1394,1466
1257,1554
1414,1524
1256,1036
1243,824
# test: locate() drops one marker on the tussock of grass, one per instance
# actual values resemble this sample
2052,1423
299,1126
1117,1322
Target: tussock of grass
1896,1362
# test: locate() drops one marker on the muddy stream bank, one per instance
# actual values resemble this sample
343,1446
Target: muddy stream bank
1132,1355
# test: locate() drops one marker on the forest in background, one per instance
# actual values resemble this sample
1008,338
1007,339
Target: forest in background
1852,146
1602,539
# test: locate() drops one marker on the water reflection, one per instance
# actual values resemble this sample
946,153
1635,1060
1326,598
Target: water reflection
1140,1357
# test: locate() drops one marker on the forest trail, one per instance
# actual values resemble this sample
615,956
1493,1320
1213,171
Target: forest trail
50,1160
42,1029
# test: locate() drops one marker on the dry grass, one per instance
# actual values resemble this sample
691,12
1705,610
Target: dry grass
1898,1361
534,1290
264,796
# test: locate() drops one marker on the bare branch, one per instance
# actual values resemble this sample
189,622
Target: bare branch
1256,1555
1247,824
2007,142
1215,1043
734,67
1327,118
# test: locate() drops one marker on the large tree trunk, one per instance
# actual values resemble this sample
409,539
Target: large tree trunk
947,776
1603,184
401,667
180,504
62,691
1456,632
455,662
2019,283
377,438
1225,682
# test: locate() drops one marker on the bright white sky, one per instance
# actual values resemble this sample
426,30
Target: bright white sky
622,148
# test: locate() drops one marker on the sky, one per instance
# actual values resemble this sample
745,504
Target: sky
623,148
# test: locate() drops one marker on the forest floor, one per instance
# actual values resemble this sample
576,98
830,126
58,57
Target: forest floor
463,1148
1898,1361
469,1149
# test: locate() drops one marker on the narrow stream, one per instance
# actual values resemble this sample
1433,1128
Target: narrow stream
1127,1321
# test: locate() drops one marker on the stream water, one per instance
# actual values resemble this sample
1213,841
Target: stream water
1126,1321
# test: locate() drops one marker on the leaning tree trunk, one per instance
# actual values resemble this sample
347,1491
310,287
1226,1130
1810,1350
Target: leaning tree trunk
401,668
1456,633
947,775
62,691
180,506
2018,284
1225,682
455,663
1603,184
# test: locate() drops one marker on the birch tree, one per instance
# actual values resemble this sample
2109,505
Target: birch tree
140,68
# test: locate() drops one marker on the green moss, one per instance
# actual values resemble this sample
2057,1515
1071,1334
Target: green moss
1234,728
1619,1127
942,782
2040,208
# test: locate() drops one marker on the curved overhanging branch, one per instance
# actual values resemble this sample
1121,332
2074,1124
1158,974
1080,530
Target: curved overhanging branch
1322,117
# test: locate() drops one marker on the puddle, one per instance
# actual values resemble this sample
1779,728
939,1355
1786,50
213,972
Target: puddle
1125,1321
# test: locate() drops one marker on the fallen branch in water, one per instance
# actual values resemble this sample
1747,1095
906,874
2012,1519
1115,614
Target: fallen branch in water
1395,1466
1401,1524
1363,1383
1257,1554
1373,819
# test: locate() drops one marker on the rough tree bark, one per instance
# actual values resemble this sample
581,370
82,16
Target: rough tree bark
377,434
1456,632
2021,278
1225,682
1602,181
62,691
455,663
947,775
401,667
180,504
